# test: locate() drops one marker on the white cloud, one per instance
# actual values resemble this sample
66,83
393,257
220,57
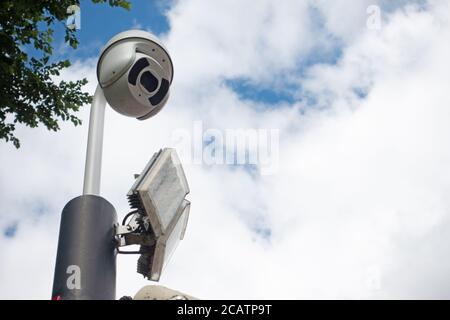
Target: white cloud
359,207
237,38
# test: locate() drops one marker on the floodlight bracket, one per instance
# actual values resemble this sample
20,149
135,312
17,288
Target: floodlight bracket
135,231
160,213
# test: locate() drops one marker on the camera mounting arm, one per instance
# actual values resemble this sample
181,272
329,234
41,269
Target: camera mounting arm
93,166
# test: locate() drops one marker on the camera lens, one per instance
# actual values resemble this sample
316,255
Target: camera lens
136,69
149,81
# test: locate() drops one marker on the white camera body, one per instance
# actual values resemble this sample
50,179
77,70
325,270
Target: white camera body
135,72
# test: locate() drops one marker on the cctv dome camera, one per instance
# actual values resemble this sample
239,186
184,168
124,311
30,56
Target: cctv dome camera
135,72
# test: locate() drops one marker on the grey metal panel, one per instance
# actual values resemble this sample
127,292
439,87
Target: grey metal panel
144,173
86,244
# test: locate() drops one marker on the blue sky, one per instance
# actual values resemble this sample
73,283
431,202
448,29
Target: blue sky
99,22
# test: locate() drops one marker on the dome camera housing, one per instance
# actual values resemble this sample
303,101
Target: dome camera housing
135,72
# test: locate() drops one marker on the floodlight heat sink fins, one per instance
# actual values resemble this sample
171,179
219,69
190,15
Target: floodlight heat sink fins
144,262
134,202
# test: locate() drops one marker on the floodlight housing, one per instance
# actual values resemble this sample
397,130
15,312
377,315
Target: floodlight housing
160,189
161,212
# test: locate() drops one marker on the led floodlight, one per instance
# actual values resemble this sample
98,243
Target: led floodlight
160,213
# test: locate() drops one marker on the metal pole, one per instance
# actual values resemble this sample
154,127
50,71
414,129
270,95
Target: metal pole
86,258
93,167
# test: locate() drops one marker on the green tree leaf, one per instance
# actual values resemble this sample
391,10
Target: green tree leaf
29,94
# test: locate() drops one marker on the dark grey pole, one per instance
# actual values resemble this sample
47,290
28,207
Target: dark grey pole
86,259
